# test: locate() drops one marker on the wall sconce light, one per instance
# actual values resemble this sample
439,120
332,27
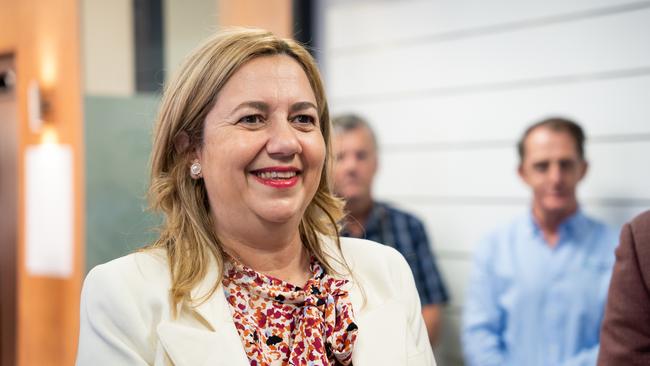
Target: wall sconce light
7,81
49,195
37,107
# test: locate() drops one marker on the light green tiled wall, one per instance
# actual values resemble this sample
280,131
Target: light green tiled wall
118,143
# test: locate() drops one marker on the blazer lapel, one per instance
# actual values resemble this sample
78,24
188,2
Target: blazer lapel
381,339
217,343
191,346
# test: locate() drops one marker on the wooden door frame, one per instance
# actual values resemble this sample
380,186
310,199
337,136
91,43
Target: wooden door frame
8,224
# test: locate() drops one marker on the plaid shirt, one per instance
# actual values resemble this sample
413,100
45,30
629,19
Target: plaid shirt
404,232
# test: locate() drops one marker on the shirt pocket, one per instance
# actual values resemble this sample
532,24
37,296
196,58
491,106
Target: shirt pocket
585,292
591,280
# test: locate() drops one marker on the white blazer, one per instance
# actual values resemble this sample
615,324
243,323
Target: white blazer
126,317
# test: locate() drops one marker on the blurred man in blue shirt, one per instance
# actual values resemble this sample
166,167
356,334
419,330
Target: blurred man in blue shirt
355,151
538,286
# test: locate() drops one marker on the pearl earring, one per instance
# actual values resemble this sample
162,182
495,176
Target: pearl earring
195,168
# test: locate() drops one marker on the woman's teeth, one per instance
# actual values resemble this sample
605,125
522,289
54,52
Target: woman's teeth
276,175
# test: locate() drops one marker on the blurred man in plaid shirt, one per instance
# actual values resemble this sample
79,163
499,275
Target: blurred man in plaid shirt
355,151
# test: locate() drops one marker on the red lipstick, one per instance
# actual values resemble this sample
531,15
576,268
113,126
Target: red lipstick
277,176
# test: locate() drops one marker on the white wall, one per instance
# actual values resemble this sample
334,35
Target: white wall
450,86
108,40
107,47
187,23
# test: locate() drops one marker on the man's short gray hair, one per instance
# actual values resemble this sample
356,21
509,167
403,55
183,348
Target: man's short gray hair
349,122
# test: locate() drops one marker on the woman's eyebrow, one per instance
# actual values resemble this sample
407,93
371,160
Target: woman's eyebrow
301,106
261,106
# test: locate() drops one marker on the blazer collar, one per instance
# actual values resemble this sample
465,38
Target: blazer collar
380,326
331,250
192,346
214,309
216,344
216,312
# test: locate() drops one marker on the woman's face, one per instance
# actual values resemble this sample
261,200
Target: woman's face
263,150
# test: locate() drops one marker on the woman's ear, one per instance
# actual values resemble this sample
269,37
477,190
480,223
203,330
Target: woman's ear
181,146
181,142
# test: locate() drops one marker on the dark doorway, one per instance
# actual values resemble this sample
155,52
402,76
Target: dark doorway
8,209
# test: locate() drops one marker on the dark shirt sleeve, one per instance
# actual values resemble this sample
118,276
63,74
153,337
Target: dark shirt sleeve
430,284
625,335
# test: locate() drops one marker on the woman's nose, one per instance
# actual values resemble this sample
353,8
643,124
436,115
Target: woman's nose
283,139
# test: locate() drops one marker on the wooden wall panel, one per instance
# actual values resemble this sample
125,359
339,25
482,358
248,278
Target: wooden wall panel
274,15
44,37
8,19
8,220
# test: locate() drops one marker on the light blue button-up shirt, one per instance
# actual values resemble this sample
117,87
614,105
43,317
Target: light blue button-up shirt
529,304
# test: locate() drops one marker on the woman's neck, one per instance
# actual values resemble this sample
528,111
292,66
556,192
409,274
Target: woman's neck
274,253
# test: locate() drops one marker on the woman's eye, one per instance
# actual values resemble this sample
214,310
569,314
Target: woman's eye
252,119
304,119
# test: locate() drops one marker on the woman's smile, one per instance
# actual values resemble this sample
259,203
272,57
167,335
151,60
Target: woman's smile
278,176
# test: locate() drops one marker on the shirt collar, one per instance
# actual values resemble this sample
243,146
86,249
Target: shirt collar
571,227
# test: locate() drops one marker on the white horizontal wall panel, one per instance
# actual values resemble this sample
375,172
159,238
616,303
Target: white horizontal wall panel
456,229
581,47
449,351
455,273
354,23
492,172
465,173
618,170
615,216
603,107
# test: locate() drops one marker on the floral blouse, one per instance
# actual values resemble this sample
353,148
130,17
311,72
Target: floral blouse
283,324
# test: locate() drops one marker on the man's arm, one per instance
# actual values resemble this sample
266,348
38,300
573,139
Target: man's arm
433,294
431,315
482,317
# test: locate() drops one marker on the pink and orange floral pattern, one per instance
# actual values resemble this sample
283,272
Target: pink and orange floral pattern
283,324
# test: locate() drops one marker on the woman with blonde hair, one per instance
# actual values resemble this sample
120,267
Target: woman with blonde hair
249,268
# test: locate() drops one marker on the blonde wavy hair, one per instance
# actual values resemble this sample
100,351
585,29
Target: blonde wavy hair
187,232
